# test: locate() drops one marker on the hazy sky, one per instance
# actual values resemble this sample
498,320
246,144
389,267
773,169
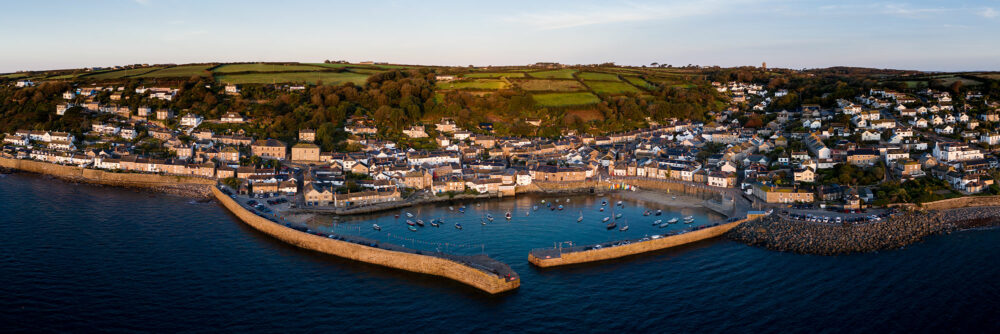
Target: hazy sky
924,35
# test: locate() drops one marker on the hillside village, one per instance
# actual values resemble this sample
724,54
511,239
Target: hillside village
881,147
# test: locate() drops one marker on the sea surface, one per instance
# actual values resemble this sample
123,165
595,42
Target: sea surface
84,258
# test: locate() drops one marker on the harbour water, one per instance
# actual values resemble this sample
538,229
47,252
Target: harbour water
87,258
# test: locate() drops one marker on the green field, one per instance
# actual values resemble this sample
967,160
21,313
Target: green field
639,82
564,99
14,75
365,70
472,84
110,75
597,76
536,85
611,87
494,75
566,73
235,68
328,78
184,71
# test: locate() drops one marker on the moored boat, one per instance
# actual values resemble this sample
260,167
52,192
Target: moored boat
435,223
409,215
458,226
612,225
659,212
410,222
581,217
411,228
508,215
560,207
606,219
420,223
664,225
657,222
376,227
623,228
672,220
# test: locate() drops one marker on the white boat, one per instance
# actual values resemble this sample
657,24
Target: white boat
376,227
623,228
451,208
658,222
508,215
689,218
534,207
664,225
410,215
489,216
672,220
606,219
618,215
581,217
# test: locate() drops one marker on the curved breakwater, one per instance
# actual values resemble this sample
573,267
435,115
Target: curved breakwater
479,272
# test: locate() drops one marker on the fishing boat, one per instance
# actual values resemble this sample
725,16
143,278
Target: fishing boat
688,220
623,228
490,217
410,222
612,225
618,215
659,212
435,223
672,220
581,217
458,226
657,222
420,223
560,207
411,228
508,215
664,225
606,219
376,227
409,215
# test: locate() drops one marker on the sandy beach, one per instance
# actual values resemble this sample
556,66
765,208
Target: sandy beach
662,198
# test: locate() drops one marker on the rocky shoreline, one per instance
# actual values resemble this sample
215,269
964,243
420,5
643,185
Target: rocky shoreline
777,233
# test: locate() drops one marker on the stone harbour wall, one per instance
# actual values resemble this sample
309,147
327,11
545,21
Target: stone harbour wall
182,185
608,253
416,263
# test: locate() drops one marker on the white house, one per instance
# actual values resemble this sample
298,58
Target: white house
191,120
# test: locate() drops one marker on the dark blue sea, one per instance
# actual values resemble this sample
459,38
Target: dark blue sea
84,258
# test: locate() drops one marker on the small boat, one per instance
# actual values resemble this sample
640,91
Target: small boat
435,223
581,217
658,222
482,222
672,220
612,225
659,212
411,228
664,225
376,227
567,200
543,201
646,213
409,215
535,207
420,223
689,218
623,228
397,215
557,200
673,197
410,222
508,215
552,208
560,207
618,215
458,226
619,203
490,217
603,202
602,209
461,210
451,208
606,219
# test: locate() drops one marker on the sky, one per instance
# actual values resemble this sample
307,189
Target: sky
953,35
